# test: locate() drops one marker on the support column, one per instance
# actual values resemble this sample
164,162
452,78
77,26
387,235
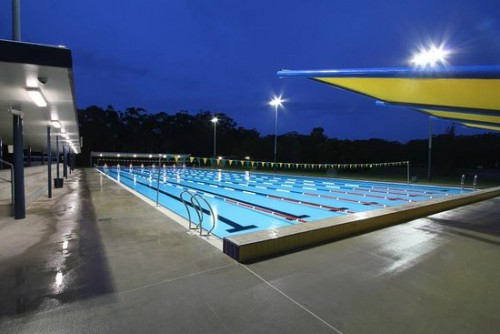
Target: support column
65,161
57,156
1,153
49,164
19,200
29,155
16,20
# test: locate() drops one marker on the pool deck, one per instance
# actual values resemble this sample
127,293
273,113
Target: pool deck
94,259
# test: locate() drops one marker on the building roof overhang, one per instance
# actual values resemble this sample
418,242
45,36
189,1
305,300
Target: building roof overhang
49,69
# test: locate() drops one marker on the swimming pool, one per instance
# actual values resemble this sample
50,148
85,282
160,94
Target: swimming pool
248,202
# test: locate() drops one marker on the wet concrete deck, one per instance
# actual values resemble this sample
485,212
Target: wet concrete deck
95,259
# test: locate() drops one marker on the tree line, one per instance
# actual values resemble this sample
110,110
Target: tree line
136,130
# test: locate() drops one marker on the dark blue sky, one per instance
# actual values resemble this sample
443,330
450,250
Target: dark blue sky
222,55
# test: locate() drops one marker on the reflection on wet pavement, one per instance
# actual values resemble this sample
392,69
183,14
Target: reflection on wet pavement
60,262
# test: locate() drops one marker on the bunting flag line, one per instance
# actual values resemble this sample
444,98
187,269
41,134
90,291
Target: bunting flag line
130,158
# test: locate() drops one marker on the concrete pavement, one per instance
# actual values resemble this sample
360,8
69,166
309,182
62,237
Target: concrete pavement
96,259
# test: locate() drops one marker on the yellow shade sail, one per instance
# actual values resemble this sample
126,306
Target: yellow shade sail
467,95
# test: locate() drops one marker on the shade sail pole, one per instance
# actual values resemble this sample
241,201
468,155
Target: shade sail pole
16,20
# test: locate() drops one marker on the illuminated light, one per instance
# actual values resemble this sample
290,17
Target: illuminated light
118,155
277,101
247,158
150,155
65,245
430,57
214,120
135,155
55,123
100,154
36,95
219,158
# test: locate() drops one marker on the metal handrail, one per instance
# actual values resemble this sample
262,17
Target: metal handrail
195,203
200,212
186,205
11,179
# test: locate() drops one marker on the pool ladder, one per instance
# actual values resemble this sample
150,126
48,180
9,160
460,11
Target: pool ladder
194,201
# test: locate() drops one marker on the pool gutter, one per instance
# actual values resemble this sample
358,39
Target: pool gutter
251,247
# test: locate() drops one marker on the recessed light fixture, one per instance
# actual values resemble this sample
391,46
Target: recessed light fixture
36,95
55,123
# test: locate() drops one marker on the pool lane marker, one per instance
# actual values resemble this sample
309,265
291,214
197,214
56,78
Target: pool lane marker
308,182
265,210
235,226
359,187
374,196
292,184
321,206
328,184
291,200
234,201
346,199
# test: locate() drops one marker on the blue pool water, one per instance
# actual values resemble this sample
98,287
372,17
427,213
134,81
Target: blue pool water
247,202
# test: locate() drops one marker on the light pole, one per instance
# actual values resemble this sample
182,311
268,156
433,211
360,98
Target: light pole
431,57
215,120
276,102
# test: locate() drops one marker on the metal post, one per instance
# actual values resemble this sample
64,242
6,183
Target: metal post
49,164
408,172
16,20
57,156
1,153
215,140
275,132
29,155
19,201
65,161
158,181
429,159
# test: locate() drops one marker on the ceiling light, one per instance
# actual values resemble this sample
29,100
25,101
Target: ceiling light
55,123
37,96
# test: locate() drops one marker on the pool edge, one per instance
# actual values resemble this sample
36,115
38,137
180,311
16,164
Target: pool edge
252,247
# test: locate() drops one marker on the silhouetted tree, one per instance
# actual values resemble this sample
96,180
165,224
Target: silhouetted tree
137,130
